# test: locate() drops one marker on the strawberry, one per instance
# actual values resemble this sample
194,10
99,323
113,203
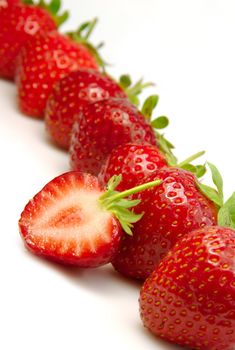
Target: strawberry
134,162
190,297
172,210
70,95
18,25
73,221
101,127
137,162
44,61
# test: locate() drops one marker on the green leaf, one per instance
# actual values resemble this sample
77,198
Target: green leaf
54,6
119,204
125,81
200,170
226,215
166,148
217,180
27,2
81,36
128,203
189,167
210,193
149,105
160,122
132,91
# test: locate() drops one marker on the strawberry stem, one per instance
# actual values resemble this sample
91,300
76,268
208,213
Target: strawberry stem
116,202
133,91
133,190
190,159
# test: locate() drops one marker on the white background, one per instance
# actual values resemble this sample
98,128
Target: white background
187,48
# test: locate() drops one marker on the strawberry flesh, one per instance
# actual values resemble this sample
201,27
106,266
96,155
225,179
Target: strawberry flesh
64,222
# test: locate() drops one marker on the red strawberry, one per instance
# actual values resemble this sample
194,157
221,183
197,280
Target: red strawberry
73,221
134,162
172,210
190,297
18,25
103,126
70,95
44,61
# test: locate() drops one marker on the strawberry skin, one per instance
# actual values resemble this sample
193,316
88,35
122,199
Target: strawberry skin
44,61
65,223
103,126
69,97
18,25
5,4
173,209
134,162
190,298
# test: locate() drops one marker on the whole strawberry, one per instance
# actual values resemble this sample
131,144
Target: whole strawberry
44,61
190,297
172,210
103,126
69,97
134,162
73,221
19,24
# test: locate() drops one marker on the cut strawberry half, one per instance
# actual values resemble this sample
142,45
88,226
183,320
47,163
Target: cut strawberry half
73,221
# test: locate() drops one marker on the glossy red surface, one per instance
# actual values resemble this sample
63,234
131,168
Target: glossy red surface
18,25
134,162
69,97
190,298
103,126
44,61
173,209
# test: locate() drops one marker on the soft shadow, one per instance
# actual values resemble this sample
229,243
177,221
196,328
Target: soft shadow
46,139
102,280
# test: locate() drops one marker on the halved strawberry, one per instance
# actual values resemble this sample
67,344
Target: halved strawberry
73,221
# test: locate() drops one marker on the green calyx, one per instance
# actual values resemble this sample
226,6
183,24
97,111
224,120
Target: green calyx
226,210
158,124
197,170
53,7
117,203
133,90
165,145
82,36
